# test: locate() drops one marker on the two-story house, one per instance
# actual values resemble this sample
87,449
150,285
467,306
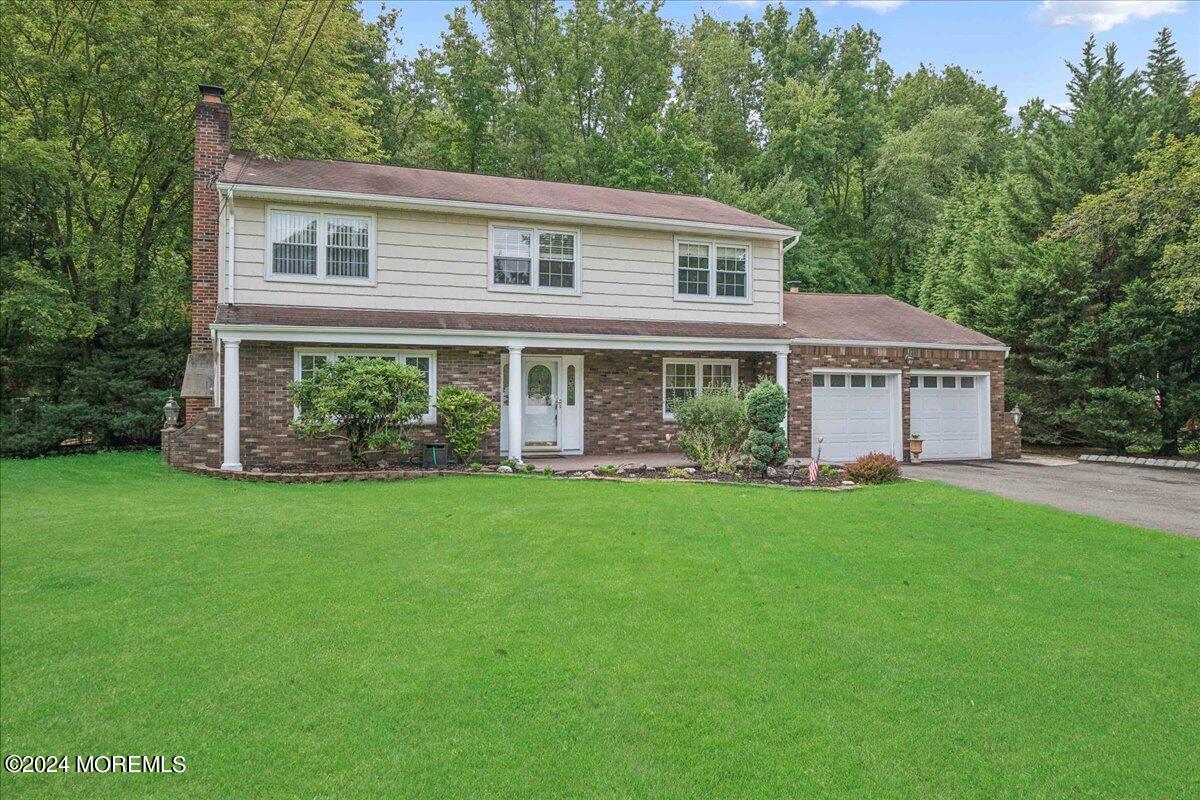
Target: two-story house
583,311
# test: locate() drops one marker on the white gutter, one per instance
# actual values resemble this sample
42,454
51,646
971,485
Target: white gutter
911,345
316,334
520,212
792,243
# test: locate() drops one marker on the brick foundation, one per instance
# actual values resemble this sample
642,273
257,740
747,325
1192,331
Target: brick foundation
622,396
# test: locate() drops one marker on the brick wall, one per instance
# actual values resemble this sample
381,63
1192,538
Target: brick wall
211,151
1006,438
622,399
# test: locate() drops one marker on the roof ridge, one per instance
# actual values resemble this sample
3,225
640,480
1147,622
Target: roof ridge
247,154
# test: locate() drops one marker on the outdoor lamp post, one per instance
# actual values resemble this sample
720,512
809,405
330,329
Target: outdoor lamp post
171,413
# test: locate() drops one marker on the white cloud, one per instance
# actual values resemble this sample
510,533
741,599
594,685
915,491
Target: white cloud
1102,15
882,6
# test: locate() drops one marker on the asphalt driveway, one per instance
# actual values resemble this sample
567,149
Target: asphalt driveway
1164,499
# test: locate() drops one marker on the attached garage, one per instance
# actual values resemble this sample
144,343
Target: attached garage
950,413
855,413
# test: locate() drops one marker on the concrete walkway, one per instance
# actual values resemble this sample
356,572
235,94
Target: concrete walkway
1167,500
656,460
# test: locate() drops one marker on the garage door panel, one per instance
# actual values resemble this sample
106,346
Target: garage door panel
853,416
948,417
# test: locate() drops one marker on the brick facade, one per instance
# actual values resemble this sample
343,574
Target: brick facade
1006,437
211,152
622,396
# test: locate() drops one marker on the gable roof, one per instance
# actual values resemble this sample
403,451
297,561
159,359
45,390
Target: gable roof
386,180
872,318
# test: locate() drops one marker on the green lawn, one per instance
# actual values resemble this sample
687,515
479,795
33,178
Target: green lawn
523,637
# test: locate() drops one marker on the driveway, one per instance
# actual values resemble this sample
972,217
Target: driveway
1164,499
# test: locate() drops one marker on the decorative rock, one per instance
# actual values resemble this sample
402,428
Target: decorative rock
589,474
690,470
847,483
621,470
772,472
504,469
384,465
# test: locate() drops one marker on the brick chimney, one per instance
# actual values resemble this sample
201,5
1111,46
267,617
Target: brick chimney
211,151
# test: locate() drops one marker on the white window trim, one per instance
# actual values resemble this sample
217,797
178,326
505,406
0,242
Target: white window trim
322,245
336,352
534,286
699,363
712,297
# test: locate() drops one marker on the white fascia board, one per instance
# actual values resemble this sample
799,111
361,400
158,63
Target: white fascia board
999,348
425,337
287,193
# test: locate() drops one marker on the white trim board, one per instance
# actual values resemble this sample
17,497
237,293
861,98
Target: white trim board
290,194
998,348
418,337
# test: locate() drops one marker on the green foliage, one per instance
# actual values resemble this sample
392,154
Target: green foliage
548,472
713,428
476,466
827,471
676,472
371,403
466,416
874,468
96,182
604,469
766,443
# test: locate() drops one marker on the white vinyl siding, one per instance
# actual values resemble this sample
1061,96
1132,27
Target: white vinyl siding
534,260
686,377
437,261
307,360
313,246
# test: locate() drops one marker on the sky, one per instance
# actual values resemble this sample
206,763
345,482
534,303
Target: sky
1018,46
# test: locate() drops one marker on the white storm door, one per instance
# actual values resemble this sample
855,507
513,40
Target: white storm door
855,414
542,403
949,413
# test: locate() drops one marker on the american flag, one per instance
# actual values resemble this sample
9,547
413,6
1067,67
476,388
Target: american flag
814,466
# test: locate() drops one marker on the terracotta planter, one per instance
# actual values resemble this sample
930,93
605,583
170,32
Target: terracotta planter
914,450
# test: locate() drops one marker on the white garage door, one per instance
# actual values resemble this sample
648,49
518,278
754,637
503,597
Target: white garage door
949,412
855,414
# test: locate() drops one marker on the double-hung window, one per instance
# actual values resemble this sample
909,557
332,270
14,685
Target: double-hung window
686,377
712,271
533,260
307,362
310,245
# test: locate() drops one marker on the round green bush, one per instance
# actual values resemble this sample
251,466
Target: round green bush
766,405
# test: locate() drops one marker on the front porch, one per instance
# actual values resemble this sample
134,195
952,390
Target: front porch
595,400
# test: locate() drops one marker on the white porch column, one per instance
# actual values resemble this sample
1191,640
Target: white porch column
781,377
231,458
516,396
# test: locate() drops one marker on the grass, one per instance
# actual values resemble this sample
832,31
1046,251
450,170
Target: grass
522,637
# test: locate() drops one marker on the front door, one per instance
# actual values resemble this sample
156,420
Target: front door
542,403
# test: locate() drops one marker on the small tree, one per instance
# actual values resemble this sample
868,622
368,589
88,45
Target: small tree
766,444
372,403
712,428
467,416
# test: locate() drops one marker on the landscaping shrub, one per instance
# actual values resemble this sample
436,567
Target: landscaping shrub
371,403
873,468
713,428
766,443
467,416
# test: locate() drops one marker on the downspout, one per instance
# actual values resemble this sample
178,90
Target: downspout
230,236
783,248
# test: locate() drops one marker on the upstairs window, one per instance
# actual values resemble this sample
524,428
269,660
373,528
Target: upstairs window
305,245
712,271
533,260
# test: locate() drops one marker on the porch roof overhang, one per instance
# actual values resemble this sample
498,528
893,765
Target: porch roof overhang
374,327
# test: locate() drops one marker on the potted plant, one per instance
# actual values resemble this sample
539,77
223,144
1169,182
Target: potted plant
914,448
